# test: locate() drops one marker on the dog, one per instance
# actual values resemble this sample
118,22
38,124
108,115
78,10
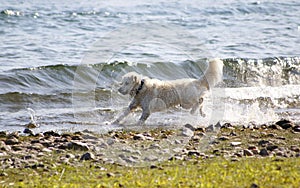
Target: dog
153,95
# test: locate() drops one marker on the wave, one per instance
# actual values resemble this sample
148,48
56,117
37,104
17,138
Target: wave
238,72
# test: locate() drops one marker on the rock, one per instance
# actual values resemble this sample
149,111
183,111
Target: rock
189,126
285,124
70,156
187,132
89,136
295,148
28,131
46,150
3,134
263,143
275,126
51,133
110,174
193,153
253,185
154,146
139,137
4,147
200,129
111,141
264,152
296,128
248,152
12,141
235,144
271,147
151,158
128,159
13,135
2,174
75,146
253,149
76,137
87,156
226,126
210,128
17,148
223,138
232,133
196,138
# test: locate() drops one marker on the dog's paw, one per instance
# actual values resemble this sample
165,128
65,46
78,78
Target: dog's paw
202,114
140,123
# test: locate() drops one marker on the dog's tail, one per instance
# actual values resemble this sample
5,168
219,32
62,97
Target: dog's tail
214,72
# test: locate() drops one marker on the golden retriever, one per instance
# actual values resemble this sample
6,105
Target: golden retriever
153,95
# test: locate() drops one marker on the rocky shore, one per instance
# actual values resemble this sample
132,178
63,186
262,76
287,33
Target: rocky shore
43,150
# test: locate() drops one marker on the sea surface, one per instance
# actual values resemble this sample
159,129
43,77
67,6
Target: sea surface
61,61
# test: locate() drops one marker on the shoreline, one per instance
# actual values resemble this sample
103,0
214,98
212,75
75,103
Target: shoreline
280,140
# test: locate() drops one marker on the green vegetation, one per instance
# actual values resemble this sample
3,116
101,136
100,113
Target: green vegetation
216,172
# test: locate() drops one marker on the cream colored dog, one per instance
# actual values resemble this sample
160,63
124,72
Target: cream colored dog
152,95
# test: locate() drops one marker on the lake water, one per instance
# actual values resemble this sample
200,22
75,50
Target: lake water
60,61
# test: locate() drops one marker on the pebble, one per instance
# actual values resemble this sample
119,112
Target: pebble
193,153
87,156
285,124
187,132
139,137
3,134
189,126
51,133
275,126
12,141
264,152
28,131
223,138
248,152
263,143
296,128
235,143
4,147
271,147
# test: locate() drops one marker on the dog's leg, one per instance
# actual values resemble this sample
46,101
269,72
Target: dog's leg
194,108
201,107
124,114
144,117
133,105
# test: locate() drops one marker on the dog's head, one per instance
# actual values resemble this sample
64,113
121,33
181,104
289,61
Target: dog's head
130,83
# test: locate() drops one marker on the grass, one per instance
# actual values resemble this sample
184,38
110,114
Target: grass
216,172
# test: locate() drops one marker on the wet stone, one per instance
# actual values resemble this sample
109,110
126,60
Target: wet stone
28,131
189,126
285,124
51,133
187,132
264,152
275,126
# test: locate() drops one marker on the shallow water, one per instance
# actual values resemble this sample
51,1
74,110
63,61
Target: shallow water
60,62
